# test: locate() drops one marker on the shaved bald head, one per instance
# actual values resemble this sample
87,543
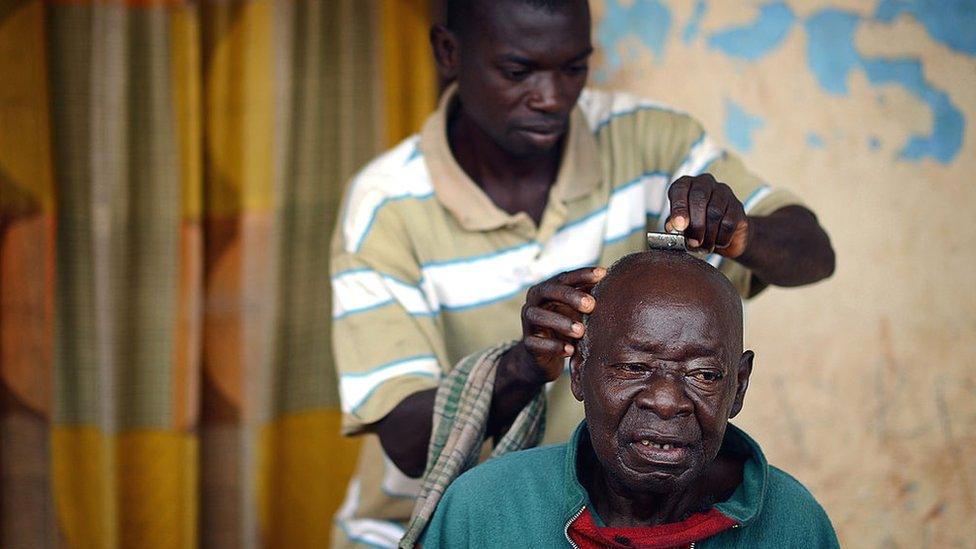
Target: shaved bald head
643,278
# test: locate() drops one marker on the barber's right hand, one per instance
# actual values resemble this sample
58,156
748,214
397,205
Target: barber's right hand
552,322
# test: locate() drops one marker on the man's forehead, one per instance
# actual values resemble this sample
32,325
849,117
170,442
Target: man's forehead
703,344
658,325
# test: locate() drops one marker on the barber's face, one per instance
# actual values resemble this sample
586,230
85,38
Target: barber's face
659,386
521,71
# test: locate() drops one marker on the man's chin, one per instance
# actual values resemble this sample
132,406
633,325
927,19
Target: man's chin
653,481
660,482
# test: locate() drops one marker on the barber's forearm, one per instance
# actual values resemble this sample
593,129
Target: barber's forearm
513,389
788,248
405,432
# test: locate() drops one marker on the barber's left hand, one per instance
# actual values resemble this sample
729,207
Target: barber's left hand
709,214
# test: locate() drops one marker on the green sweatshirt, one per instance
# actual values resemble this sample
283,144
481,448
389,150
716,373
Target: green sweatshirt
530,499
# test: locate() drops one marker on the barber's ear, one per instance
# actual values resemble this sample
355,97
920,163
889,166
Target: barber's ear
575,371
742,377
446,51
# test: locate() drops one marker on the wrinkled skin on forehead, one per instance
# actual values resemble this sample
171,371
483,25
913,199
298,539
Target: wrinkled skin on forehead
663,373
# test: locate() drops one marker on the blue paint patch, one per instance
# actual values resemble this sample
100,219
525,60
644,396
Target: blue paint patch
694,24
947,126
874,143
950,22
649,21
740,125
830,48
831,56
753,41
814,141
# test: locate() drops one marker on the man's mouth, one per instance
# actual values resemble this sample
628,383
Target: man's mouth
543,136
545,128
652,444
660,451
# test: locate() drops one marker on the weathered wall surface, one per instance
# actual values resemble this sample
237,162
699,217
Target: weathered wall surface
865,385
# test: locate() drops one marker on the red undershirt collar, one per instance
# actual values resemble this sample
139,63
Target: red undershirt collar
587,535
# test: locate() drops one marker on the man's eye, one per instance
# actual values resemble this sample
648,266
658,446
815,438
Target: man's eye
576,70
706,375
631,367
515,74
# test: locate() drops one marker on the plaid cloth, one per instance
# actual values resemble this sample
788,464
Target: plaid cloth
460,425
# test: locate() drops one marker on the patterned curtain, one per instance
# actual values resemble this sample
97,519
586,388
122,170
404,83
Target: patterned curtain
170,173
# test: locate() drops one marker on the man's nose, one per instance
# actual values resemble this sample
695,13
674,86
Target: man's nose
665,395
547,95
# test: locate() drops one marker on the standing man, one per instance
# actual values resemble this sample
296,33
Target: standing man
484,228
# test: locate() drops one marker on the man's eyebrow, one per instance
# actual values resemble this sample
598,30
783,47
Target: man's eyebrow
515,58
582,55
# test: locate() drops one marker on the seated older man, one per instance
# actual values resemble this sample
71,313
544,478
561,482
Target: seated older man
660,371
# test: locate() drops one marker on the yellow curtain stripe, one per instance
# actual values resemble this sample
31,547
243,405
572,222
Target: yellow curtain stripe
135,489
26,181
408,67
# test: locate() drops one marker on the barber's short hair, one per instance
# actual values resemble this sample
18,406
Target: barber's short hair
459,12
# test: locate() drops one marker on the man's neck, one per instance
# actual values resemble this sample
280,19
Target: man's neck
619,507
514,183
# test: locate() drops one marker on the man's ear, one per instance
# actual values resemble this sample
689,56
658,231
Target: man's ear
446,51
742,377
575,373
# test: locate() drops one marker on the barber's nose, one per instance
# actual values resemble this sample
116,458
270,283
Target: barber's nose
547,95
665,396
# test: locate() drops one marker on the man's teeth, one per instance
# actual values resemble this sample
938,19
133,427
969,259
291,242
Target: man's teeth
646,442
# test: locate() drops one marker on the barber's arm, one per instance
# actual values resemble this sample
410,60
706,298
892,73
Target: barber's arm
386,388
550,327
788,247
389,346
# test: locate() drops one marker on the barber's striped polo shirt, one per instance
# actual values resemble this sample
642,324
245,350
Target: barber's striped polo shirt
426,269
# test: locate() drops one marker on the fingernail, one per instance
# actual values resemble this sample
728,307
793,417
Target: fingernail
600,272
577,329
680,223
693,243
588,303
568,349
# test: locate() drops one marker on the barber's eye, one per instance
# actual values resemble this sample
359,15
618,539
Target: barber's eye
515,74
576,70
631,366
706,376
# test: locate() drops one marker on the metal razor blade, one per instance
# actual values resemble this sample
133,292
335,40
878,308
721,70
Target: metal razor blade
666,241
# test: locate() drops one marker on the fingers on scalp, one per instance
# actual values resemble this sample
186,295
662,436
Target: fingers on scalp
578,277
561,293
549,320
545,346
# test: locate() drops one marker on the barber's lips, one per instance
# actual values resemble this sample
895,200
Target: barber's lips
660,452
543,136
